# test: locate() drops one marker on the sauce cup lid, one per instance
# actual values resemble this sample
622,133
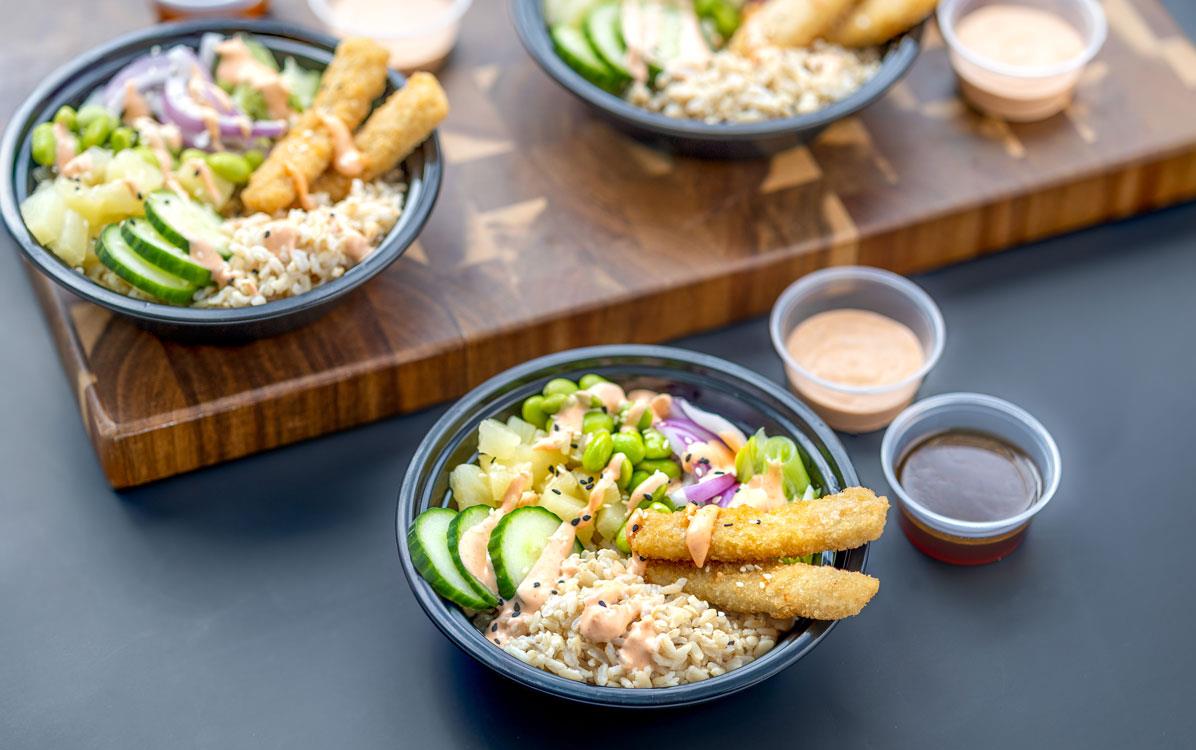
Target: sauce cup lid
982,413
1095,29
452,13
814,282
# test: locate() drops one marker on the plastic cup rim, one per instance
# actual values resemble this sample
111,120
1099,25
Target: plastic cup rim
892,280
451,15
1093,42
907,419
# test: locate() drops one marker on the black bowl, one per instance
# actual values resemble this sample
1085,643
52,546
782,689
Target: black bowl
72,83
738,394
695,138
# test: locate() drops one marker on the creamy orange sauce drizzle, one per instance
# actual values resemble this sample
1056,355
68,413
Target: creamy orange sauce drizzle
715,455
647,487
78,166
64,146
238,65
474,541
135,105
205,255
763,491
700,531
640,644
157,138
611,395
346,158
280,238
299,182
636,410
206,178
354,245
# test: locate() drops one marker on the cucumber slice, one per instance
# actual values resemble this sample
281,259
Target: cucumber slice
149,244
115,253
467,518
181,221
604,30
516,544
428,542
575,50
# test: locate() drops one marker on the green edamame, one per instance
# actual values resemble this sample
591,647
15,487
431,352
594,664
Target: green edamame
191,154
645,420
590,379
255,157
625,472
97,131
147,155
630,444
563,386
232,167
89,114
552,404
638,477
122,138
658,507
43,144
533,412
65,116
597,420
598,451
670,467
656,445
621,542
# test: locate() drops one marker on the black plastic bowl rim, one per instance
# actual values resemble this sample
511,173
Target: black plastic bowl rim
528,16
76,79
426,476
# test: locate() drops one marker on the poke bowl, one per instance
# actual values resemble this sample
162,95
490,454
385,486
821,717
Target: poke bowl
459,484
684,114
140,94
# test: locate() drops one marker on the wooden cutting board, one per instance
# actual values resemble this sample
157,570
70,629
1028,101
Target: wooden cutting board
553,231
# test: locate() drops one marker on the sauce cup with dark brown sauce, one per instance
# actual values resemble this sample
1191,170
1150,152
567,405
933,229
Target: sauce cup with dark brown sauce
969,472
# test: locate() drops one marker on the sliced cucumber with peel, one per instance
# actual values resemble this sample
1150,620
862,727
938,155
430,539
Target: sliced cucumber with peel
183,221
428,542
517,542
116,254
573,47
463,521
604,30
157,250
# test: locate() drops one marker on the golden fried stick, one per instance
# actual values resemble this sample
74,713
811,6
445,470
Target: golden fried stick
743,534
777,590
354,78
877,21
788,23
392,132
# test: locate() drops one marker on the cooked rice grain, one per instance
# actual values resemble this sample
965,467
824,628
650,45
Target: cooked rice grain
695,642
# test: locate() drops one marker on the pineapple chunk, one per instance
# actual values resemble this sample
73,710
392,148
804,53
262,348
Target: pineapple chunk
610,518
194,179
470,486
568,507
102,204
73,242
526,431
500,476
129,166
43,214
495,439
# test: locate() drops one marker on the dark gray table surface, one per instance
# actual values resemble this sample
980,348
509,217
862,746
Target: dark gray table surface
260,604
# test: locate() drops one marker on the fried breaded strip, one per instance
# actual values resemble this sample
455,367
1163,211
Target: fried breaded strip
392,132
819,592
355,77
877,21
836,522
788,23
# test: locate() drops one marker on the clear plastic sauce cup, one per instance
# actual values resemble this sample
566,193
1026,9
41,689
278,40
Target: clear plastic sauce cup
1022,93
849,408
950,539
419,34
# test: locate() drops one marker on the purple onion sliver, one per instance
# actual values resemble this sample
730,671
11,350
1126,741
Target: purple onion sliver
705,491
725,499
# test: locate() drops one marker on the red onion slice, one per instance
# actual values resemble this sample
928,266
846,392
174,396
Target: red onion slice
714,424
705,491
180,109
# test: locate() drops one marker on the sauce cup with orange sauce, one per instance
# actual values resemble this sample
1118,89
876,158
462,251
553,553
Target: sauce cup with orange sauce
856,372
953,540
419,34
1020,60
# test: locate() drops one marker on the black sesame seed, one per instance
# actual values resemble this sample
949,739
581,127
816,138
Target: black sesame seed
586,517
556,491
635,527
266,235
554,591
575,521
601,603
728,524
719,473
494,628
756,521
536,584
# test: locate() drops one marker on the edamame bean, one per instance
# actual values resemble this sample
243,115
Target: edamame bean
658,507
562,386
147,156
96,131
43,145
232,167
552,404
590,379
598,451
597,420
656,445
191,154
625,472
630,444
89,114
638,477
255,157
65,116
122,138
645,419
671,468
621,542
533,412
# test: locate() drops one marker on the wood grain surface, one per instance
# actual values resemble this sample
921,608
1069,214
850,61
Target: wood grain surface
554,231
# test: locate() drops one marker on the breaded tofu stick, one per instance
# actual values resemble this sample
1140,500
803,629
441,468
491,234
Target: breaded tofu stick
788,23
392,132
777,590
877,21
355,77
744,534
